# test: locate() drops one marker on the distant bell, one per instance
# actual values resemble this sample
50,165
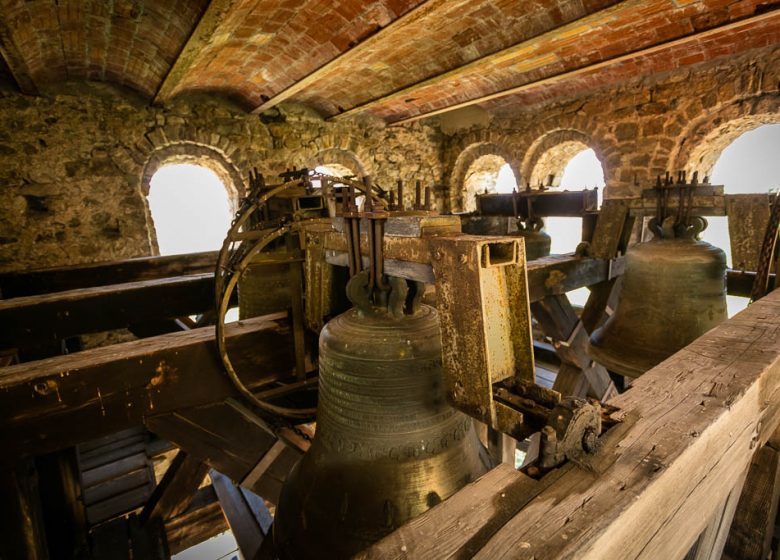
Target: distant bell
674,290
387,446
537,242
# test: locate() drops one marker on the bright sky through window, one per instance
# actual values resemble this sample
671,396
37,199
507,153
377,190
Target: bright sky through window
190,209
750,164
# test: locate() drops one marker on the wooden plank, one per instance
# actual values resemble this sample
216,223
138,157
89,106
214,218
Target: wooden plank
748,219
710,543
60,279
689,425
52,317
175,491
224,435
202,520
461,525
59,402
751,532
248,519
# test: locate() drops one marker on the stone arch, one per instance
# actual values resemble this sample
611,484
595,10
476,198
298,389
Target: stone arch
163,150
547,157
488,152
699,147
338,156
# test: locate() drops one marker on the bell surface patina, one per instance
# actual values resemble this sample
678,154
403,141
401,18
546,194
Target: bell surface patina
387,446
674,290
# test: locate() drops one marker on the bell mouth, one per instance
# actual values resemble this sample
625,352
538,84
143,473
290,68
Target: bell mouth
628,360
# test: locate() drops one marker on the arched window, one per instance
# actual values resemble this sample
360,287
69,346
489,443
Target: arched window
489,173
581,170
190,208
748,165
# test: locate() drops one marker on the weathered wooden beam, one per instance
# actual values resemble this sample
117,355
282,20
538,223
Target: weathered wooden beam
545,203
731,27
225,435
462,524
687,431
59,402
202,520
246,513
176,490
740,283
750,537
51,317
209,22
59,279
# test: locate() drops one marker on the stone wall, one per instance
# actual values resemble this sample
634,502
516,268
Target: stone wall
75,166
645,127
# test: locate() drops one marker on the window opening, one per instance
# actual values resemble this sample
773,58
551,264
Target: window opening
748,165
489,173
191,211
582,171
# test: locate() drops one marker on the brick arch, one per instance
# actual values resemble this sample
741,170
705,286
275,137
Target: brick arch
700,145
550,153
464,162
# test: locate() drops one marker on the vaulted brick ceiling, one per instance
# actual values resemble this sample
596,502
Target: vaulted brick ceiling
397,59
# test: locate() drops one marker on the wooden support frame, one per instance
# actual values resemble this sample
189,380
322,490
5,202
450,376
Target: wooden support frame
60,279
52,317
59,402
175,492
688,430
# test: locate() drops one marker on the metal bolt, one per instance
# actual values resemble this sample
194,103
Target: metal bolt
589,441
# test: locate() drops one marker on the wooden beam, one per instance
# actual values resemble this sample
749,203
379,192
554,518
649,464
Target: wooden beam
225,435
59,402
246,513
751,532
15,61
687,430
346,58
202,520
731,27
176,490
462,524
59,279
51,317
215,14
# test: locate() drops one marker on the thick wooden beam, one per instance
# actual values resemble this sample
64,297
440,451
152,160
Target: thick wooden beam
751,532
15,62
687,432
202,520
731,27
52,317
346,58
59,279
59,402
177,488
212,18
246,513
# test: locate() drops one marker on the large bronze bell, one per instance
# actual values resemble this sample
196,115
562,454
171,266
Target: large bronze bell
674,290
387,445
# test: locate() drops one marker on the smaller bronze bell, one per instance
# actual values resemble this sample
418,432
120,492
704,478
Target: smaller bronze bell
674,290
483,225
537,242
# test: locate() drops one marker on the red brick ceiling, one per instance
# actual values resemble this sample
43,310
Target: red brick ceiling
397,59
